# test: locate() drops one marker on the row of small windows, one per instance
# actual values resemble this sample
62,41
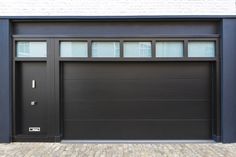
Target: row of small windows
112,49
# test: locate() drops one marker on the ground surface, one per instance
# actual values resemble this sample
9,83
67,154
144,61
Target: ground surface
117,150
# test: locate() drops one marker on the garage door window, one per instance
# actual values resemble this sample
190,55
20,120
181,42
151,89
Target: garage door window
169,49
74,49
31,49
201,49
137,49
105,49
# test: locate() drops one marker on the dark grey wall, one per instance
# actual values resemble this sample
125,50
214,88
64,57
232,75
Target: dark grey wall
116,29
5,81
228,76
228,85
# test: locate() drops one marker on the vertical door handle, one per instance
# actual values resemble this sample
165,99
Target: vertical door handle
33,84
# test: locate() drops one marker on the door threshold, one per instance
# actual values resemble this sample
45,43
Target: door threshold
137,141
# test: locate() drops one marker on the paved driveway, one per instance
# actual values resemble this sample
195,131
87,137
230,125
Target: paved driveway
117,150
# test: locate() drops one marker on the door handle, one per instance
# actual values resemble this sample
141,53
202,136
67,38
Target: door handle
33,84
33,103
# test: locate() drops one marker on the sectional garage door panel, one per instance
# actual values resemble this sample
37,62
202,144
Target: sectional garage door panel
137,129
137,100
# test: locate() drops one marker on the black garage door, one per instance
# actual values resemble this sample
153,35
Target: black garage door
137,100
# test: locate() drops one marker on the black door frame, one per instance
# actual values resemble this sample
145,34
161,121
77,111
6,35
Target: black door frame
55,118
52,131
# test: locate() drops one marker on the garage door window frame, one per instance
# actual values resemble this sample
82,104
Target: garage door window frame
183,50
141,55
215,47
215,66
153,49
81,55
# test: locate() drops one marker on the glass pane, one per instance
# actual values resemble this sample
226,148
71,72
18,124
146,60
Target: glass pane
105,49
169,49
31,49
73,49
201,49
137,49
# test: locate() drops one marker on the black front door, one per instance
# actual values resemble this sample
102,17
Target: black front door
31,98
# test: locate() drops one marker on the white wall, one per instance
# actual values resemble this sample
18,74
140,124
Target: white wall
116,7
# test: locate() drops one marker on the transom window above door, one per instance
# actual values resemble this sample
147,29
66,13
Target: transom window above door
137,49
190,49
31,49
73,49
169,49
105,49
201,49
